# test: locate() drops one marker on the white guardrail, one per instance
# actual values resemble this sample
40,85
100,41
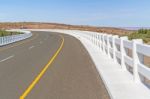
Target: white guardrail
14,38
118,49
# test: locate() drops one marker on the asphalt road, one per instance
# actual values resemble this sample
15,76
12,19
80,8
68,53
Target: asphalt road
49,66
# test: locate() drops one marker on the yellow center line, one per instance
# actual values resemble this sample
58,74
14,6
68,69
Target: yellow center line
19,43
31,86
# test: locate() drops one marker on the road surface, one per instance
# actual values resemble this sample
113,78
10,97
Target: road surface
49,66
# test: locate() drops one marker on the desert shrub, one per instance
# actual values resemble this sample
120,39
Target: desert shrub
141,34
7,33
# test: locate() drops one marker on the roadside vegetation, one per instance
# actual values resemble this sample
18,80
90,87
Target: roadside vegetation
141,34
7,33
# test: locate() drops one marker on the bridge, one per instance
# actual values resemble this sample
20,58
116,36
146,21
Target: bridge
72,64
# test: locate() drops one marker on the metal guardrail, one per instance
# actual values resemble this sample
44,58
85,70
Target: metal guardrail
14,38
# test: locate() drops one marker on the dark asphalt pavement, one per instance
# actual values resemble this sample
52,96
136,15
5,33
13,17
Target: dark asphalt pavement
72,75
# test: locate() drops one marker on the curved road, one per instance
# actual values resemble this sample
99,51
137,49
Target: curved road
49,66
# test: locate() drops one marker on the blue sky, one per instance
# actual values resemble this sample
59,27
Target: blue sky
119,13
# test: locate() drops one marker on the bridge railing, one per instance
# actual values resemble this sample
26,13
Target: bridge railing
128,54
14,38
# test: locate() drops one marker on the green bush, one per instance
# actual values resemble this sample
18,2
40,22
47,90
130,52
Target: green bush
6,33
141,34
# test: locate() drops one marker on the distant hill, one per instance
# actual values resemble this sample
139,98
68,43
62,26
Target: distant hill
38,25
135,28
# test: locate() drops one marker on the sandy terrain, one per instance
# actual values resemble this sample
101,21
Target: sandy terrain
36,25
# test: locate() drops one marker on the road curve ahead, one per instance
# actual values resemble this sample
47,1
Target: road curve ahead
49,66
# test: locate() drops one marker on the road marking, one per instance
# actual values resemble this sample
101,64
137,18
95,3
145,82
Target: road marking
7,58
31,47
19,44
31,86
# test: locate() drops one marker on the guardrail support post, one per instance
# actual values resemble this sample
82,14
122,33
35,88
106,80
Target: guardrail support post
99,42
103,43
123,52
97,39
90,38
136,60
114,47
108,46
93,38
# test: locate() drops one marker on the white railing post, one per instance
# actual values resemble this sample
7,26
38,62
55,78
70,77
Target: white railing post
108,46
103,43
114,47
136,59
97,39
107,38
94,39
123,52
90,38
98,43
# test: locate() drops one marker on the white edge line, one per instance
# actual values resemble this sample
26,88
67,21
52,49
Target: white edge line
31,47
7,58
